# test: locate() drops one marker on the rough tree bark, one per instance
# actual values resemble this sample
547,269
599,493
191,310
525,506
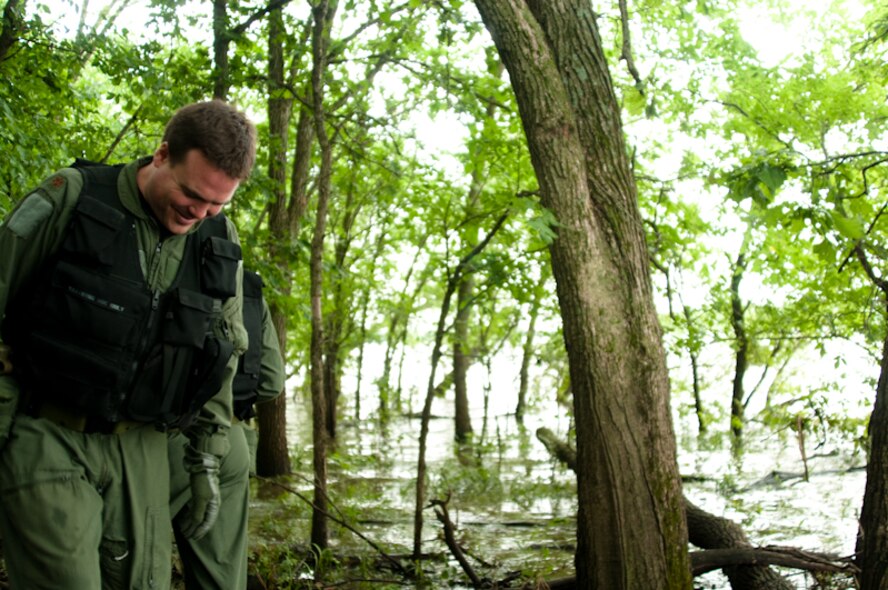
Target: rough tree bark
631,530
872,539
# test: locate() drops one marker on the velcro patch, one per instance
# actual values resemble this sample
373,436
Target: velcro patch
31,213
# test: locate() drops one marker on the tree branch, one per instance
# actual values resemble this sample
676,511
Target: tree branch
626,49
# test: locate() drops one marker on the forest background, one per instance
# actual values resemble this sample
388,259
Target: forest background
401,217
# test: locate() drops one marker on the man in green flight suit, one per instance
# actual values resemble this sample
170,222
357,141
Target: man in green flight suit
120,298
218,561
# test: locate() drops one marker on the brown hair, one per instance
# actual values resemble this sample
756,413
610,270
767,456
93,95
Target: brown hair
222,133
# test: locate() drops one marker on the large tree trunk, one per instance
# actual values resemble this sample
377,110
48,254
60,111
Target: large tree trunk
631,530
872,541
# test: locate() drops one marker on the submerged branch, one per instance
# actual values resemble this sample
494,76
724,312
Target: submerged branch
713,559
394,562
452,544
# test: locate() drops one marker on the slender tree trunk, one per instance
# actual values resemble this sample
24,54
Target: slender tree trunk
527,351
397,332
465,295
332,385
337,318
461,361
272,453
449,290
631,529
742,349
702,425
365,303
323,15
362,334
872,540
420,496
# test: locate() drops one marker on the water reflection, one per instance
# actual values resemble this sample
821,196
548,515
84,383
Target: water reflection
514,505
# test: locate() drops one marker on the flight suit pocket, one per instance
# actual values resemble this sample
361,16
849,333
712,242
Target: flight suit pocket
155,567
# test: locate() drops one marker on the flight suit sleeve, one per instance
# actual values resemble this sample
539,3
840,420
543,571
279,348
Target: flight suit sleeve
272,374
209,432
28,236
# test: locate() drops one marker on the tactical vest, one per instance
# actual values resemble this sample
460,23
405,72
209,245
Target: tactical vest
89,333
246,380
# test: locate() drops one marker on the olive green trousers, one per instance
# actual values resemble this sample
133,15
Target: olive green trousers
218,560
85,511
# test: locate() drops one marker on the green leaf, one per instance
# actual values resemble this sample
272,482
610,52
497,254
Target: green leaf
772,177
850,227
825,250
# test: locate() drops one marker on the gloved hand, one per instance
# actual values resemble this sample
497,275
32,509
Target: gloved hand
203,508
9,395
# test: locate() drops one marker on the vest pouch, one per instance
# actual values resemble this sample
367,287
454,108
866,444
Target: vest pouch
187,319
93,230
207,375
218,273
100,309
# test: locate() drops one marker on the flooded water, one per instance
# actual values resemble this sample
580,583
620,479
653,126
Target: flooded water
514,505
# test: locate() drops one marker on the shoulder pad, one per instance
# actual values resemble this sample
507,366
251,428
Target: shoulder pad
58,191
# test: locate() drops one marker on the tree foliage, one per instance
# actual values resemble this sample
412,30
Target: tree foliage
739,147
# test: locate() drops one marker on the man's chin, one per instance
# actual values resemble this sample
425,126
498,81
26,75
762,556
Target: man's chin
178,227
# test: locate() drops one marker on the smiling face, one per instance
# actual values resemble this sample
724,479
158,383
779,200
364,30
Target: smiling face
182,194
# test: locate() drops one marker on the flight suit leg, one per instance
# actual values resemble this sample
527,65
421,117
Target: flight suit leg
218,560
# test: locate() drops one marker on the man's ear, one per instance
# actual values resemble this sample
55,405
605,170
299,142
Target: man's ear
161,154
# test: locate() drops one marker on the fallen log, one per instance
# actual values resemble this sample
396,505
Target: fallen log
724,543
713,559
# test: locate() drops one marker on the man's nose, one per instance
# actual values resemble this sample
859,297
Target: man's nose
199,210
